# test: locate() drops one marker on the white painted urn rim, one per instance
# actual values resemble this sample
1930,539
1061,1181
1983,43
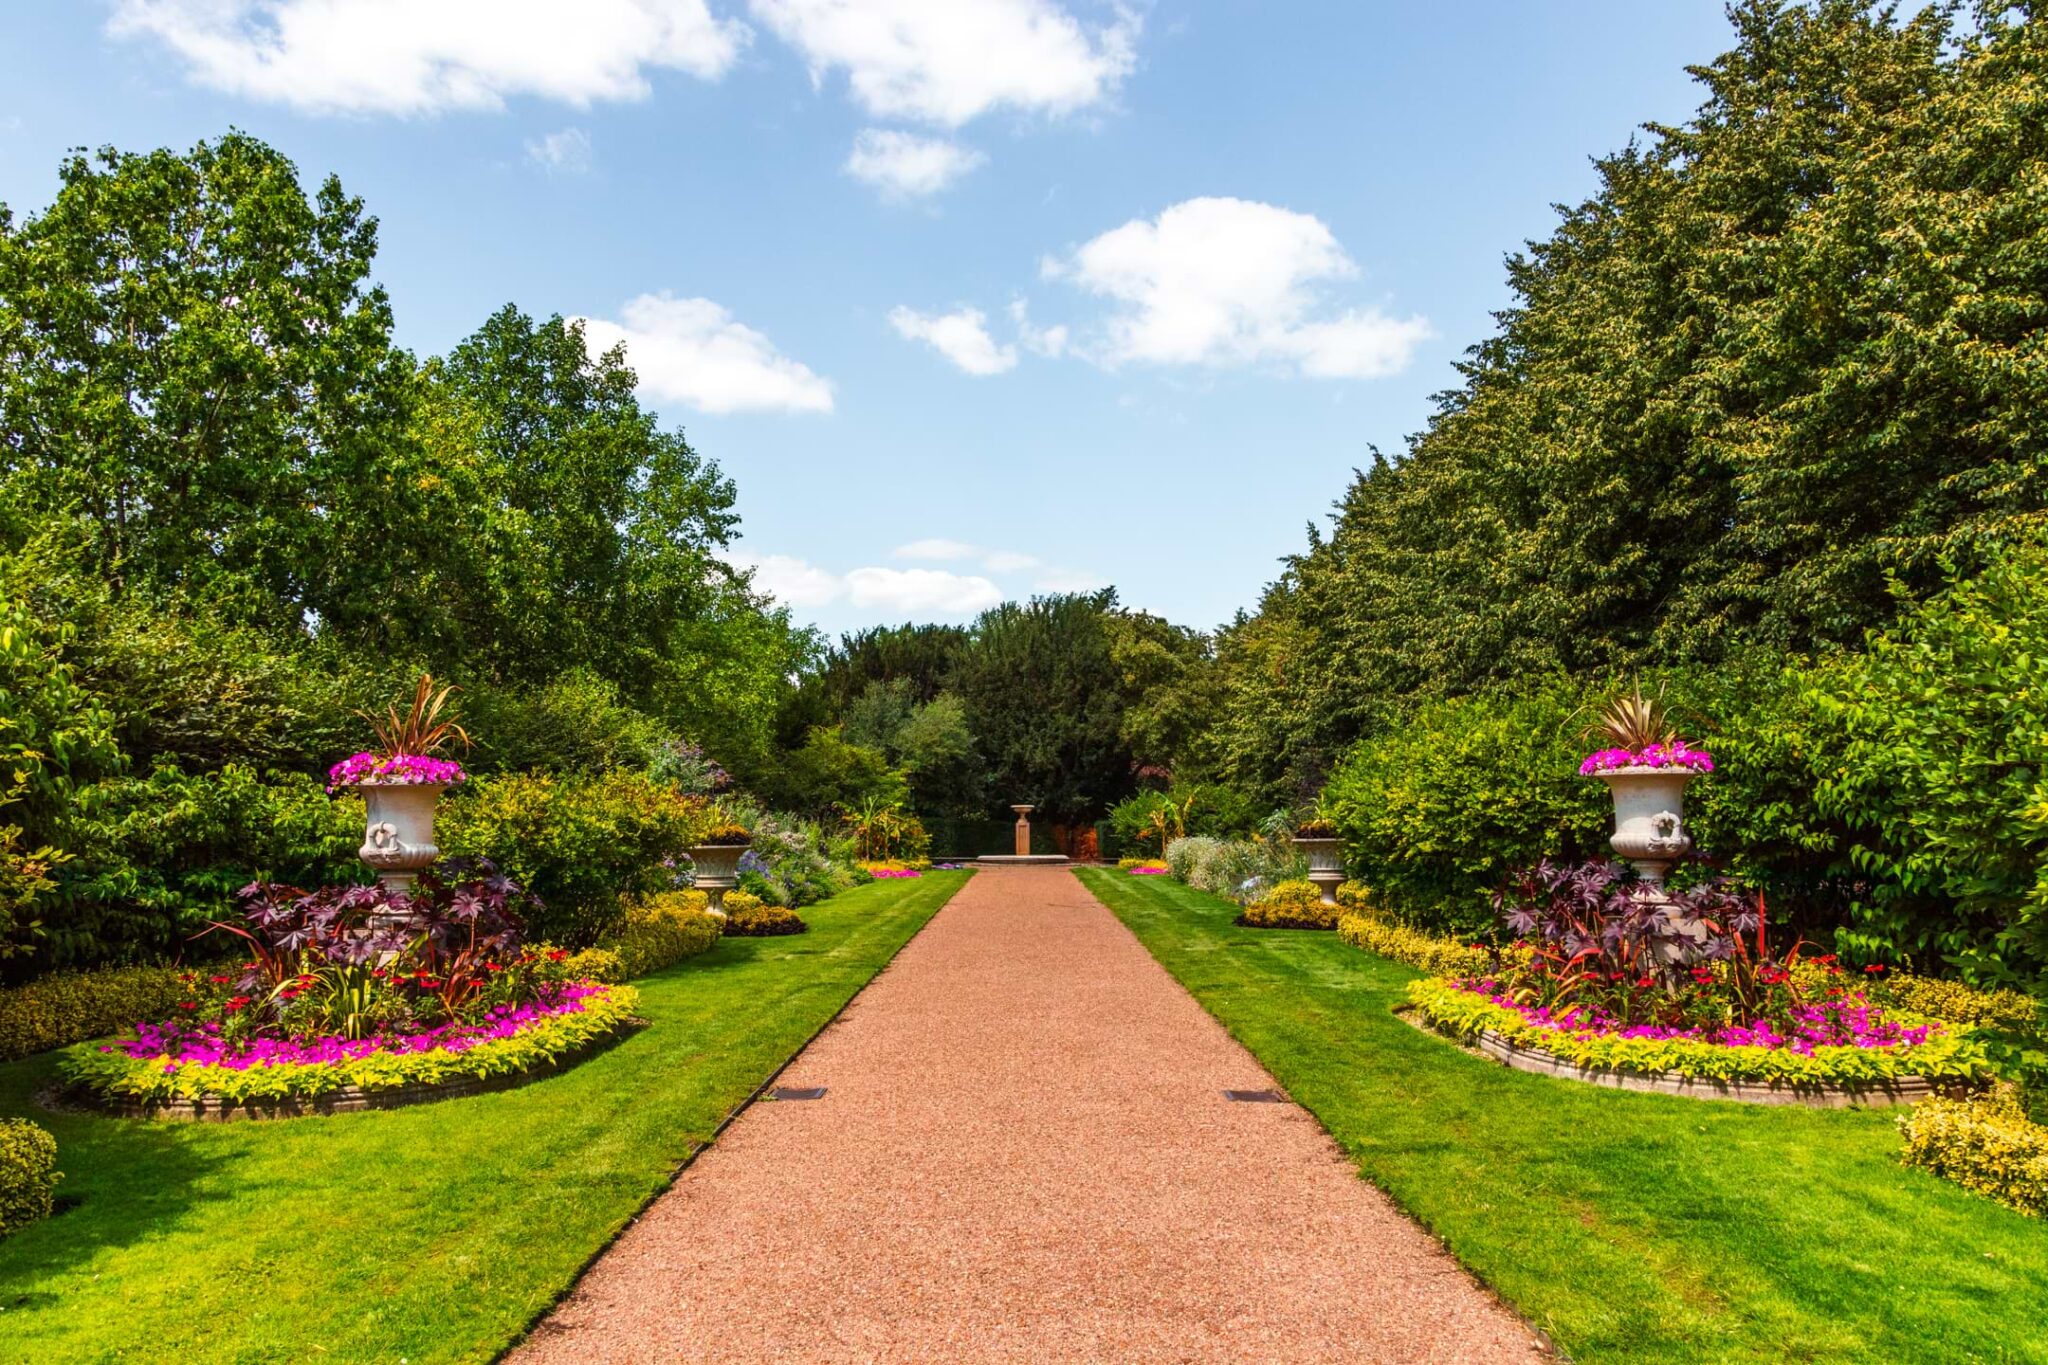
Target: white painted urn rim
1648,770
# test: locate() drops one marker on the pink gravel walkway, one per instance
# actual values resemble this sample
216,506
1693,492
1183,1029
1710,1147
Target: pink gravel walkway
1024,1154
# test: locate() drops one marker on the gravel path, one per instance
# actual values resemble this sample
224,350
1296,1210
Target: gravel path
1024,1154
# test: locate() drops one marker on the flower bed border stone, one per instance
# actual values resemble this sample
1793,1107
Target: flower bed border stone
348,1099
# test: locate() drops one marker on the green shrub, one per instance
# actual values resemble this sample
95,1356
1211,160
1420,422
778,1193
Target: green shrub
70,1007
585,964
1943,775
751,917
579,842
1193,809
575,723
1984,1143
157,857
1436,812
662,930
28,1174
1290,905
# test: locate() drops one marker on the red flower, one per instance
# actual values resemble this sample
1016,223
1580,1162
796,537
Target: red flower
237,1003
219,980
556,954
1874,969
188,1004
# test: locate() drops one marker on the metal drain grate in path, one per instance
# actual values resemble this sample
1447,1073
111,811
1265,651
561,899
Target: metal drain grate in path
795,1092
1255,1096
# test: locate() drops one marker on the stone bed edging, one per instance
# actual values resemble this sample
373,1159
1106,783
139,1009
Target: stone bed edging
348,1099
1824,1095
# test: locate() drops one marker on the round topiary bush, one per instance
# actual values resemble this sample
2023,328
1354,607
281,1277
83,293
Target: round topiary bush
749,916
28,1174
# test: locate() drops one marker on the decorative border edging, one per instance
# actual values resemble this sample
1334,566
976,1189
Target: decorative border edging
1826,1095
348,1099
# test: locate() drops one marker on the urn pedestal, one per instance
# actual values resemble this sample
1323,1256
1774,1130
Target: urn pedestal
717,871
1325,865
1022,842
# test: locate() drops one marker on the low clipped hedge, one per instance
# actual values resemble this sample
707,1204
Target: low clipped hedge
1946,1055
1985,1143
1437,956
750,917
1290,905
70,1007
112,1074
1959,1004
28,1174
663,929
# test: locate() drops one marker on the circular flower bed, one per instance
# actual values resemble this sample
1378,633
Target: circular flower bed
352,993
1840,1041
1610,978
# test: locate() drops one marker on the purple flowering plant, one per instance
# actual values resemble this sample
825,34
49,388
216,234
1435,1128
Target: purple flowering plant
368,769
361,961
1595,953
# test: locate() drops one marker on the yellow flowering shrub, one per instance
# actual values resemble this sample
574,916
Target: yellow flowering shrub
1984,1143
661,930
1290,905
1437,956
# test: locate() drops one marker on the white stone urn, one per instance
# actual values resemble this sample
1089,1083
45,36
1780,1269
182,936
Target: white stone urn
1649,818
398,840
1325,865
716,871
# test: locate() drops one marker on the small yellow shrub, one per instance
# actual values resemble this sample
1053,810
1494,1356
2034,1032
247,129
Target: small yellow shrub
1290,905
1956,1003
663,929
748,916
1355,895
1984,1143
1437,956
28,1174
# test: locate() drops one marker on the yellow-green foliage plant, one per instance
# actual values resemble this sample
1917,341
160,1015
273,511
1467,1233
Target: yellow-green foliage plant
748,916
1437,956
28,1174
1290,905
70,1007
1957,1003
663,929
1985,1143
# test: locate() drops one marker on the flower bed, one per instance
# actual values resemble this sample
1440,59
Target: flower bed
355,992
1842,1042
192,1071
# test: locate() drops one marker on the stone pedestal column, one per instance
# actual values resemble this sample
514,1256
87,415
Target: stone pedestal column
1023,829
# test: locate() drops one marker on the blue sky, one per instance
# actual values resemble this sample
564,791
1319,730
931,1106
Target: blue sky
973,298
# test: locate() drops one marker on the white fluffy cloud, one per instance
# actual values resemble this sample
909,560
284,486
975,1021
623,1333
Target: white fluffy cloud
910,592
792,581
907,166
1233,282
565,153
692,351
933,591
949,61
1069,580
1050,342
961,336
409,57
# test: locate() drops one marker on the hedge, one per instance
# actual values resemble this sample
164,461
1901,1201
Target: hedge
70,1007
28,1174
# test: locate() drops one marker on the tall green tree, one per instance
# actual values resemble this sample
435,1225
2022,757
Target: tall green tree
192,353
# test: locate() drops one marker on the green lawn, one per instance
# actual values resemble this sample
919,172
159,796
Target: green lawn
1628,1227
431,1233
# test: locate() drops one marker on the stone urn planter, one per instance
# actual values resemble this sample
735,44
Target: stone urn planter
398,838
716,870
1649,818
1325,864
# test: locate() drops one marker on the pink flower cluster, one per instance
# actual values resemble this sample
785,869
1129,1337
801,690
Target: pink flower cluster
399,770
1148,872
892,872
1676,755
1831,1023
178,1044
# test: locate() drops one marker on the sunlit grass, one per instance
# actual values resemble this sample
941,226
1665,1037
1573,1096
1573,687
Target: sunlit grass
431,1233
1629,1227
